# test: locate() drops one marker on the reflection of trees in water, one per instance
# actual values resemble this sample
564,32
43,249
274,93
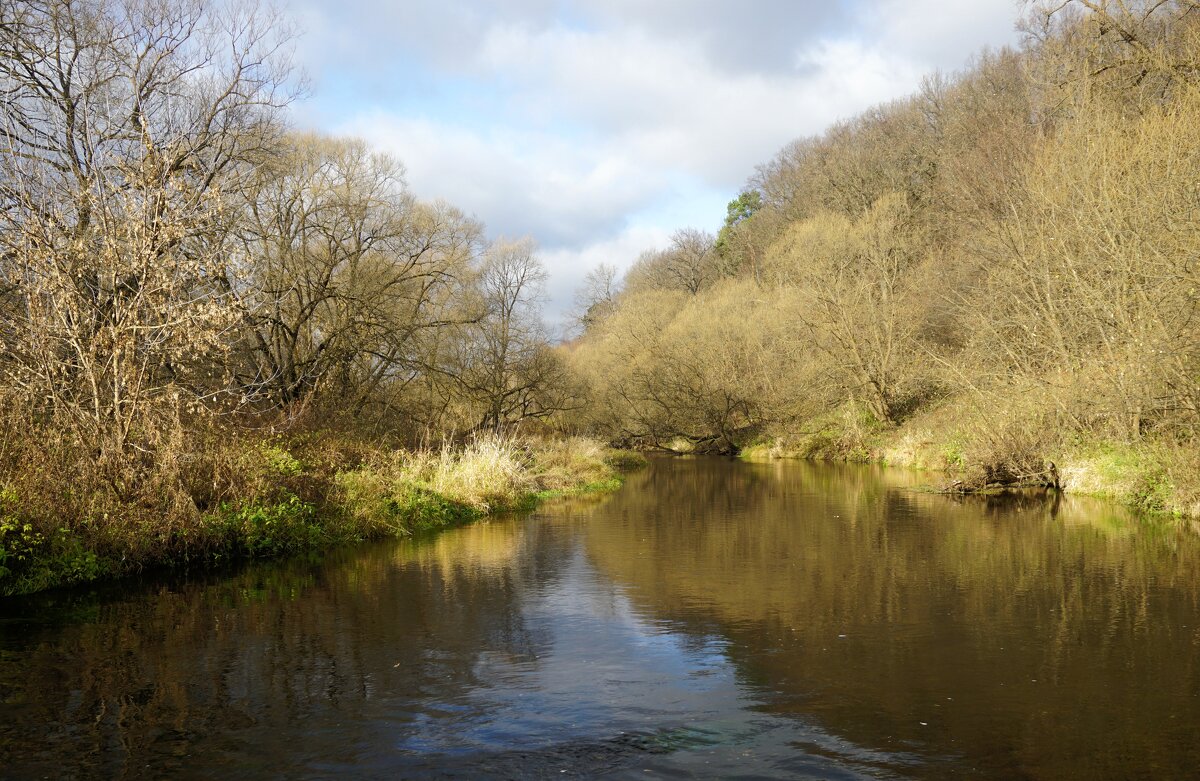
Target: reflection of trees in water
972,601
177,678
950,611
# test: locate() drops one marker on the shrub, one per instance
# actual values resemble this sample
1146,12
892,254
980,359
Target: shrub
31,560
258,528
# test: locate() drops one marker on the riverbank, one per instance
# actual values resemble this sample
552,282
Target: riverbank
975,447
257,499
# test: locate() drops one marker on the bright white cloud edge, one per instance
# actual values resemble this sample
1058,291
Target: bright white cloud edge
647,116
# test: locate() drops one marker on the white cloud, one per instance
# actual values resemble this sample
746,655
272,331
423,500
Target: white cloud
935,34
567,266
584,124
519,182
668,106
756,38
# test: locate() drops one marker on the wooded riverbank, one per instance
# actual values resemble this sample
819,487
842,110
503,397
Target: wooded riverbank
272,498
996,273
222,338
949,442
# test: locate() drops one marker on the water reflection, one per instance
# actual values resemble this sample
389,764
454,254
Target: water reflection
258,671
494,648
712,618
983,634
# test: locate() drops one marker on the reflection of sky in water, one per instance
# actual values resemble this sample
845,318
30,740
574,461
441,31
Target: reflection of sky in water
605,671
711,619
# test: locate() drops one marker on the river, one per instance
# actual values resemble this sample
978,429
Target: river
710,619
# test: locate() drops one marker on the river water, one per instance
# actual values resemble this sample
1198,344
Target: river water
711,619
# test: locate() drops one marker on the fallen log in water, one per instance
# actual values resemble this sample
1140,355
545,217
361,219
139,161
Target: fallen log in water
1048,479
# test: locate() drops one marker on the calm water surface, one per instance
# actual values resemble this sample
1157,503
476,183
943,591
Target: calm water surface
712,619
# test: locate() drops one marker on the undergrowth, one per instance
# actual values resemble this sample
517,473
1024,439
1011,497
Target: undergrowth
1003,442
65,521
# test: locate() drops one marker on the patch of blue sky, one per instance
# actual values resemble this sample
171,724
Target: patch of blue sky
687,202
570,16
407,88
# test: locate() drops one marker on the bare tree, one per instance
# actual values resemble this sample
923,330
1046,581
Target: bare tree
1094,290
708,368
1131,54
342,270
852,283
690,264
595,299
128,127
506,363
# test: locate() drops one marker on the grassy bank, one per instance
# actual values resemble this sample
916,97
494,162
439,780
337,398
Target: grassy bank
980,446
254,499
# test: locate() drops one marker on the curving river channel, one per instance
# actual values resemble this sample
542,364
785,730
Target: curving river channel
711,619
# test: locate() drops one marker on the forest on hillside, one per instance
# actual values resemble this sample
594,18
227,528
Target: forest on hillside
1000,271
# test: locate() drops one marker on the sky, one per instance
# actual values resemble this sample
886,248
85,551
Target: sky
599,127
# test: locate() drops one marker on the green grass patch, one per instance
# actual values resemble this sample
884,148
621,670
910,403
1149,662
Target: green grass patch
1136,475
258,528
595,487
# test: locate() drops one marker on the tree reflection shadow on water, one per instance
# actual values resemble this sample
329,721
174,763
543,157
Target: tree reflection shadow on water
1021,637
713,617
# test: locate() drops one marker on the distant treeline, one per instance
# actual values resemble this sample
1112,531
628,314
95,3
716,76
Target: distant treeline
1003,268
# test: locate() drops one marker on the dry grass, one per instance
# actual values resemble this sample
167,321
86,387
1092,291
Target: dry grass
64,518
436,486
560,465
911,447
401,491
